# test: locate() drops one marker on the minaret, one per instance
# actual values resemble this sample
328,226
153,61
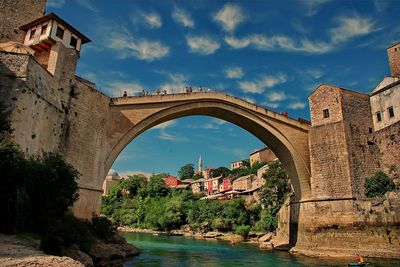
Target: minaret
200,164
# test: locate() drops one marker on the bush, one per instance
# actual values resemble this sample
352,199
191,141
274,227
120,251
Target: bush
103,227
378,185
66,232
243,230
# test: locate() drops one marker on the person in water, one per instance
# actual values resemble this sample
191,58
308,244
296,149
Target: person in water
360,259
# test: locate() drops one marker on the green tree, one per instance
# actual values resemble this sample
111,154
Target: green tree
378,184
155,187
133,183
276,185
197,176
225,172
186,171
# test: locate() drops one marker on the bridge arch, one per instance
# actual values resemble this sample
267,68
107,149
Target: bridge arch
287,138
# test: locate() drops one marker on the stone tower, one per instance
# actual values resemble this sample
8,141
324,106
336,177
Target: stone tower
200,166
394,59
15,13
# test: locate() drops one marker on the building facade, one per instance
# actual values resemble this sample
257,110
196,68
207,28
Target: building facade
111,179
262,155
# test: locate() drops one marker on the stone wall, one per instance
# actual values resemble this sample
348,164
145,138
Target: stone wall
394,59
349,227
325,97
14,14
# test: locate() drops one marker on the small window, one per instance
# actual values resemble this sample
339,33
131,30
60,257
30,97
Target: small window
326,113
44,29
60,33
32,35
378,116
391,112
73,41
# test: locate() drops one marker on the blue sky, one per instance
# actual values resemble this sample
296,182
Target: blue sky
271,53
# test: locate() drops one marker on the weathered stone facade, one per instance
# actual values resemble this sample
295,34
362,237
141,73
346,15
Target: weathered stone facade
394,59
14,14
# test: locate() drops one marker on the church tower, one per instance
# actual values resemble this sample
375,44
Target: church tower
394,59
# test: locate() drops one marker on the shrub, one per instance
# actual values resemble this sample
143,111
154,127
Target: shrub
378,185
103,227
243,230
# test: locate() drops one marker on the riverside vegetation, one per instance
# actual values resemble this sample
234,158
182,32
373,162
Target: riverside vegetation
148,204
36,194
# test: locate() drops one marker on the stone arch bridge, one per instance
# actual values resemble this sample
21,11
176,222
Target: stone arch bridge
128,117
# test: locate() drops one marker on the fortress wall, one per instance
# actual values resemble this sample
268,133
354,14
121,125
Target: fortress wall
358,127
26,90
86,147
350,227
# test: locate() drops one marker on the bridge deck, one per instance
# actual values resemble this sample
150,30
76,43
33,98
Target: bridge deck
182,97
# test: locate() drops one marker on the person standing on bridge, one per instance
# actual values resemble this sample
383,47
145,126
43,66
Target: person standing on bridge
125,94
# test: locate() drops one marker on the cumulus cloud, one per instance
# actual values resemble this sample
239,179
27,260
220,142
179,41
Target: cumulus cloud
237,43
234,73
55,3
143,49
229,17
259,85
276,96
183,17
153,20
349,27
118,88
202,45
296,105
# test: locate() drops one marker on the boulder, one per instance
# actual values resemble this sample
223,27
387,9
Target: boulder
266,246
265,238
76,254
129,249
176,232
100,251
213,234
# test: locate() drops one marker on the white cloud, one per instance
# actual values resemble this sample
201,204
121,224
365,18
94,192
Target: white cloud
311,73
237,43
271,105
55,3
229,17
251,87
234,73
381,5
350,27
296,105
312,6
143,49
165,125
265,81
125,174
153,20
169,137
181,16
87,4
202,45
276,96
250,100
219,121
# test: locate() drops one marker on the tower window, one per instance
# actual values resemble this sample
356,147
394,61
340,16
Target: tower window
73,41
378,116
32,34
44,29
326,113
391,112
60,33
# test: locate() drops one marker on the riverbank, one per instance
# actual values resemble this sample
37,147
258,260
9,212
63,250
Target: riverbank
17,250
264,240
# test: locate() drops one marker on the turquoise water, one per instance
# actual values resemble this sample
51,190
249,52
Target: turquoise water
164,250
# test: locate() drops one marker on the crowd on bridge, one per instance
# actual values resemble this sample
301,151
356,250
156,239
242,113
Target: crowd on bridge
159,91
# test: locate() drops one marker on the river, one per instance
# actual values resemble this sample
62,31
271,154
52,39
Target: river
165,250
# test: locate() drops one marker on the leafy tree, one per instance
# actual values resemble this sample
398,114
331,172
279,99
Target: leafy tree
276,185
197,176
133,183
222,171
161,175
378,185
186,171
156,187
256,165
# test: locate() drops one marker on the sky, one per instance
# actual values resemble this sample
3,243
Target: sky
270,53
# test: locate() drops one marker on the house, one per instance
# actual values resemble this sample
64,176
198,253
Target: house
172,181
236,164
48,36
212,185
226,185
262,155
198,186
244,182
